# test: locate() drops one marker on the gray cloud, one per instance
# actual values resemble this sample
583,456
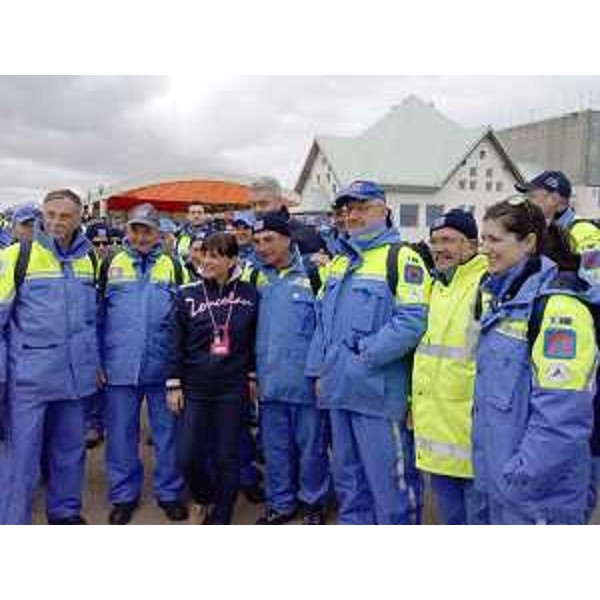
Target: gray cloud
86,131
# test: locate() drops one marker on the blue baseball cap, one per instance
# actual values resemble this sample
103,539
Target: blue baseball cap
26,212
243,219
360,190
551,181
167,225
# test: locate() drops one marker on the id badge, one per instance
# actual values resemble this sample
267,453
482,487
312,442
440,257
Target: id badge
220,345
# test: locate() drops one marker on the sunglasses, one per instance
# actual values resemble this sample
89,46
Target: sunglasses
99,244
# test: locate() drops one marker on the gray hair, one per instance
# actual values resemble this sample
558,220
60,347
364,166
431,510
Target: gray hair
268,184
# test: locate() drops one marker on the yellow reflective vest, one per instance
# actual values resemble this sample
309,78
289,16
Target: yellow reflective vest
444,375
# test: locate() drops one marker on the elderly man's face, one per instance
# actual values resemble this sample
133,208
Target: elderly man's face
61,218
264,201
360,215
142,237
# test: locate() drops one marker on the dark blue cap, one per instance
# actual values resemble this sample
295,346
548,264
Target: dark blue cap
96,230
272,221
26,212
461,220
551,181
360,190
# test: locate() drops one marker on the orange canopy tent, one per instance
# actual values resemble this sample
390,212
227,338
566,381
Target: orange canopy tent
176,196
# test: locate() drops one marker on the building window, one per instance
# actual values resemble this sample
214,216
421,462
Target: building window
482,154
473,184
433,211
318,177
488,186
409,215
489,173
462,184
473,171
499,186
334,188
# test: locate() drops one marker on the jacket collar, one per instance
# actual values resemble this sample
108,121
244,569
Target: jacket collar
137,256
80,246
566,217
355,246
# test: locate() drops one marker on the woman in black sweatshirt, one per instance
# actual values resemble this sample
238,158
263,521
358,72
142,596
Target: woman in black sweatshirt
212,362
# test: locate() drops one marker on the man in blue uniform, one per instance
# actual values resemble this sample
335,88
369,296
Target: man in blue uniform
140,285
48,329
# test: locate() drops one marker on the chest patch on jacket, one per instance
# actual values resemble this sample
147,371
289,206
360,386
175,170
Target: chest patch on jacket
560,343
590,259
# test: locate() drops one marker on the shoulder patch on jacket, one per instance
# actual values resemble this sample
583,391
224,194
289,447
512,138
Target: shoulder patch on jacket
560,343
413,273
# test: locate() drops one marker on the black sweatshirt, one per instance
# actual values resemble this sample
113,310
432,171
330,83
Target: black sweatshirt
203,375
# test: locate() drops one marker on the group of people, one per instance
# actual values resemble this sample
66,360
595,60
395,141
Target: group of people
359,367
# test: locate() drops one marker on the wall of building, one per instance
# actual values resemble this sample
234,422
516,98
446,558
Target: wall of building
481,180
320,183
562,144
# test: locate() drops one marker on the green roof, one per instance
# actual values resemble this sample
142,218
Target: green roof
414,145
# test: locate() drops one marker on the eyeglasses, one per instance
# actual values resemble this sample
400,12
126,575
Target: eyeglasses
98,243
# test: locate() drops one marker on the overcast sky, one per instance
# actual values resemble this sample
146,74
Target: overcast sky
82,132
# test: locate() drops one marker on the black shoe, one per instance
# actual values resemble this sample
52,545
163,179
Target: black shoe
122,513
274,518
93,438
313,514
255,494
74,520
175,510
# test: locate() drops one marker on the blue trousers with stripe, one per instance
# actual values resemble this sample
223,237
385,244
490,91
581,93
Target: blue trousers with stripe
123,464
374,473
57,427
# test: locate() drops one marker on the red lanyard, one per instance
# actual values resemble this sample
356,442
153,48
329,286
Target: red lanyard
210,312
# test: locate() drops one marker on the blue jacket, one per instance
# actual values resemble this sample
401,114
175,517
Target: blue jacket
286,323
49,325
533,410
136,317
365,336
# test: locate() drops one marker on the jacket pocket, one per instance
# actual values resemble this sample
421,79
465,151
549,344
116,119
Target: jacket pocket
304,321
368,304
362,386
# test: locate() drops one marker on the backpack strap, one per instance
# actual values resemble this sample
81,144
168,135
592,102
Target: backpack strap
253,280
391,267
312,273
94,260
22,262
177,270
102,280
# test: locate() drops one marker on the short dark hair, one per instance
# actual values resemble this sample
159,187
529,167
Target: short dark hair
220,243
66,193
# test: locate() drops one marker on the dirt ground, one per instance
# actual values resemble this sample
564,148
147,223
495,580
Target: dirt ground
96,505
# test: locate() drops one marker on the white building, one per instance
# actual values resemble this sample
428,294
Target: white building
426,162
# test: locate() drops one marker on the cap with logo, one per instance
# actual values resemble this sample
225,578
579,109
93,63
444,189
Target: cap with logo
551,181
360,190
144,214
